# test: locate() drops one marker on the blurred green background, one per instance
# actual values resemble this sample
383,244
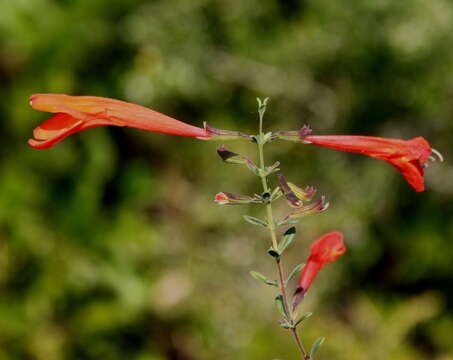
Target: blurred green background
111,246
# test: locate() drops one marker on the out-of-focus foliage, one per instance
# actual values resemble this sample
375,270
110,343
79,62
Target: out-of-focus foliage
110,244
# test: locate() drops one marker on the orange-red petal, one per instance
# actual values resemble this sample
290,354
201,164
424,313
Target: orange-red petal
76,113
327,248
408,156
412,172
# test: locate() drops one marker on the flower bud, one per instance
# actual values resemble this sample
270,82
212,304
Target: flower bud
219,134
294,194
233,158
226,198
297,135
317,207
306,194
293,199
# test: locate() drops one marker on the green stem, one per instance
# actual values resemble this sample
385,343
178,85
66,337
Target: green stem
271,225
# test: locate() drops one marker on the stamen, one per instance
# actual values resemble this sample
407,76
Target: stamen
438,154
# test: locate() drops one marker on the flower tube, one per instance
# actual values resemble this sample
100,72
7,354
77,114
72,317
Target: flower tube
410,157
77,113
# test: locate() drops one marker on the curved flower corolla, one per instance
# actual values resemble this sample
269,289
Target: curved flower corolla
77,113
410,157
327,248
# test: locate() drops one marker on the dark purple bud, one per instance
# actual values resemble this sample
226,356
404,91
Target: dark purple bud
292,198
233,158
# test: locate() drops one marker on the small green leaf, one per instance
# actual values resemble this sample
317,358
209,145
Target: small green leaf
281,306
288,238
294,272
253,168
288,221
262,105
258,276
276,194
314,348
302,318
255,221
267,136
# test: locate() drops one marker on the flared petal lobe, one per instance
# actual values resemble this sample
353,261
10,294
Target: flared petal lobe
408,156
77,113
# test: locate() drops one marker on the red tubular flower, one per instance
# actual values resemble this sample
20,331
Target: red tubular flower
408,156
77,113
327,248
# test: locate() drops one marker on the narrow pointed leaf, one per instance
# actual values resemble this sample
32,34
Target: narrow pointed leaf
272,283
295,272
271,169
276,194
314,348
258,276
288,221
288,238
302,318
267,137
255,221
281,306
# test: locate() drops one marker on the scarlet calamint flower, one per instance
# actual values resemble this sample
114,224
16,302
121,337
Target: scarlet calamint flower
77,113
410,157
327,248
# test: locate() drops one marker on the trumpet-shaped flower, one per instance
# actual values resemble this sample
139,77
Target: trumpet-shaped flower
410,157
77,113
327,248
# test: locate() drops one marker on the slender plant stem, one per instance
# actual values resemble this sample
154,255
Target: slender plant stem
271,226
282,285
